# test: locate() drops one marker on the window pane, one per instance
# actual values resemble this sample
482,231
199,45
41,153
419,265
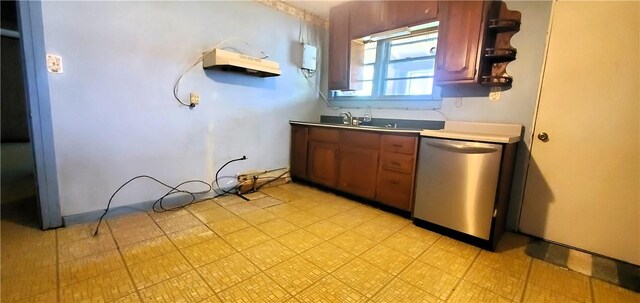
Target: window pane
367,86
370,52
411,68
409,87
367,73
412,47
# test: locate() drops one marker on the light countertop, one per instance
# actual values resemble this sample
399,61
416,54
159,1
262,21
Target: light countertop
473,131
360,127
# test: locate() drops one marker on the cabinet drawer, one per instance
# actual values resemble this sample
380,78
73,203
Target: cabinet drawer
399,144
323,134
398,162
395,189
360,139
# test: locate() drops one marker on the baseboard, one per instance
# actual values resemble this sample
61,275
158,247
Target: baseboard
130,208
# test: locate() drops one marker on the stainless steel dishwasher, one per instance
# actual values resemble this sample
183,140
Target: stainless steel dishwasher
456,184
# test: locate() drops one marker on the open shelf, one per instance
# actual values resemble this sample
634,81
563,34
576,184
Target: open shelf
504,25
497,80
495,55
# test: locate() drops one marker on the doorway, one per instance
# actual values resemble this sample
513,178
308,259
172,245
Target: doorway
19,199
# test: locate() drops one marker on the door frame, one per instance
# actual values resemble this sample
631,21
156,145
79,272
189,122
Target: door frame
36,81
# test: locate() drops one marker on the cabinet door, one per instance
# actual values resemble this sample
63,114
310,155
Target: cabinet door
322,164
339,51
408,13
358,171
459,37
369,17
298,161
395,189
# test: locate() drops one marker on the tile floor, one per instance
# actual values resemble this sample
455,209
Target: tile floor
291,243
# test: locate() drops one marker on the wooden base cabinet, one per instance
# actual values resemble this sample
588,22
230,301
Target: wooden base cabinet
358,167
358,171
374,165
323,163
395,189
322,156
397,171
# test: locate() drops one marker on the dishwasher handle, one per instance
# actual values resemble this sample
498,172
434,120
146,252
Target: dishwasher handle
463,148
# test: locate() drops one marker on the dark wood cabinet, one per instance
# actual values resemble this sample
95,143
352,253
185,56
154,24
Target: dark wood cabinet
357,19
473,39
399,144
397,171
358,167
299,147
374,165
358,171
474,43
339,47
409,13
322,163
395,189
368,17
322,156
459,39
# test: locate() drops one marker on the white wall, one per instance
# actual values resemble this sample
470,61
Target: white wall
114,114
517,105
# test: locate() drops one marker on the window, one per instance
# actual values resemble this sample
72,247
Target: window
400,68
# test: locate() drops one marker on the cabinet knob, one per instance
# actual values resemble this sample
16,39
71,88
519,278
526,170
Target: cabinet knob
544,137
426,11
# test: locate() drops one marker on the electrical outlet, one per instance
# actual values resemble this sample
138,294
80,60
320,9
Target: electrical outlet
194,99
495,94
54,64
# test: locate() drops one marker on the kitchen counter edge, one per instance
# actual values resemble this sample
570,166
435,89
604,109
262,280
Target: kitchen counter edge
363,128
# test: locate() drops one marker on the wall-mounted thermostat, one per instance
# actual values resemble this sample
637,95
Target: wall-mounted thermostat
309,53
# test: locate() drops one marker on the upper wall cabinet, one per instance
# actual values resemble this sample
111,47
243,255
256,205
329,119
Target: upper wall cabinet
369,17
357,19
474,43
339,47
473,38
459,37
409,13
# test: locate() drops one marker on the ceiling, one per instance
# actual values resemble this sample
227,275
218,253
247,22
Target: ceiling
317,7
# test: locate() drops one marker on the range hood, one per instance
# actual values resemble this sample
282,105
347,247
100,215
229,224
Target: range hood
234,62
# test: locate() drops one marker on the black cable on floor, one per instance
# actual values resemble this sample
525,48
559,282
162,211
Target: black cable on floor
172,190
217,172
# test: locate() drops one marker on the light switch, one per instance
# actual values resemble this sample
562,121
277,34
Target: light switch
54,64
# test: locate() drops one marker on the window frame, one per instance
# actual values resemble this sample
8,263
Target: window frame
379,81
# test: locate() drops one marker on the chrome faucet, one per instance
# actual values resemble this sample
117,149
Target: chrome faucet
346,118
